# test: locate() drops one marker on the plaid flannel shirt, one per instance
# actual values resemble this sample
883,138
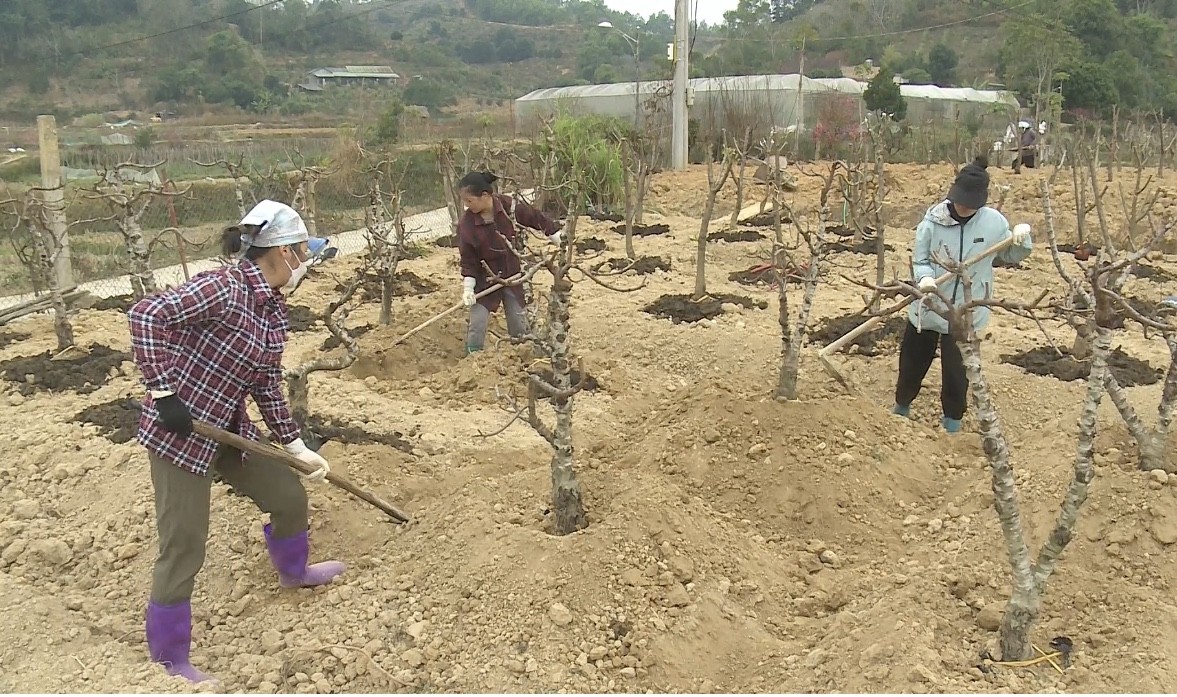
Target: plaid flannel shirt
213,341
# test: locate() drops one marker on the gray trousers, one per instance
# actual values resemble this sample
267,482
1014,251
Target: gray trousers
182,513
480,317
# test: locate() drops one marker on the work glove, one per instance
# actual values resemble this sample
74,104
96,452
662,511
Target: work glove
556,237
300,450
927,284
173,413
1021,235
467,291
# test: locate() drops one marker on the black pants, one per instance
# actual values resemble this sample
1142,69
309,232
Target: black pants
1026,161
916,354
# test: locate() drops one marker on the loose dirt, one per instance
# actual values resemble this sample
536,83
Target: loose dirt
592,244
1045,360
736,236
684,309
883,339
641,266
735,543
404,283
82,371
643,230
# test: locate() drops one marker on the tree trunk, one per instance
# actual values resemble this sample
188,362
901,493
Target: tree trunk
739,190
790,344
701,249
310,210
880,228
626,185
142,277
1081,349
1022,610
298,397
567,505
48,247
643,187
1084,472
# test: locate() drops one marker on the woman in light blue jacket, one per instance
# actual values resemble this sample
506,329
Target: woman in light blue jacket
959,227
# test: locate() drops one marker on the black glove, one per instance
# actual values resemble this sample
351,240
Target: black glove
174,415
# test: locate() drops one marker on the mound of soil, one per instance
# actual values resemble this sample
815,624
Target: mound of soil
999,263
884,339
117,420
405,283
736,236
1044,360
356,332
318,431
446,241
75,371
122,303
9,338
758,276
1153,273
644,230
869,246
766,219
681,309
302,318
590,244
642,266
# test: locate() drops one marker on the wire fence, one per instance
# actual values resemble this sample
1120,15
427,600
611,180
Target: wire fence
182,221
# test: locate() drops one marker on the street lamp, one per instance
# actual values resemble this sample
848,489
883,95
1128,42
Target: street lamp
637,71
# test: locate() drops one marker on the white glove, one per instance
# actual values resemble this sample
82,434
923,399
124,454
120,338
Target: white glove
300,450
467,291
556,237
927,284
1021,235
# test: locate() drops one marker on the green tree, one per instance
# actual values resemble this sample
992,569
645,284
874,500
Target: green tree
883,95
942,62
388,126
1033,54
1089,85
428,93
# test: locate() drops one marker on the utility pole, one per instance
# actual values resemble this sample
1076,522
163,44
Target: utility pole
53,196
682,38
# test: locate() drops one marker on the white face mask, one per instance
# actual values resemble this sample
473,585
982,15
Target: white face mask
297,273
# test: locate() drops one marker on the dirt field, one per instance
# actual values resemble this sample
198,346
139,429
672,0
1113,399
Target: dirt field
736,544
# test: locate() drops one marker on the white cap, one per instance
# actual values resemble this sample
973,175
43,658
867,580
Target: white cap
1023,124
280,225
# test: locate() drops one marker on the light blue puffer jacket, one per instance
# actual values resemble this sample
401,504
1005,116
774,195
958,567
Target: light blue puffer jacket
941,234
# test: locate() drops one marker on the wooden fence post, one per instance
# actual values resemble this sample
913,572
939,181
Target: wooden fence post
54,197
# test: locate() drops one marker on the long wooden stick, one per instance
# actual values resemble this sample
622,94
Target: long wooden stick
873,322
264,450
444,313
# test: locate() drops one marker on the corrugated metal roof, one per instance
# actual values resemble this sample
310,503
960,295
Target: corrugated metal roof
357,71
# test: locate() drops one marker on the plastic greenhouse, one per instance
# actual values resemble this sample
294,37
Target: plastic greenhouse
762,101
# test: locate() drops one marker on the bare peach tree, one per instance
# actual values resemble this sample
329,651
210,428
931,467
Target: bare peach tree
552,337
237,173
1098,306
31,212
1029,575
813,242
715,183
128,198
384,230
335,318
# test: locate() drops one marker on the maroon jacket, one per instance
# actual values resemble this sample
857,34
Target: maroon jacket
480,241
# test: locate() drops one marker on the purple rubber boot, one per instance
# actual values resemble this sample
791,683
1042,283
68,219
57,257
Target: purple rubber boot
290,554
169,638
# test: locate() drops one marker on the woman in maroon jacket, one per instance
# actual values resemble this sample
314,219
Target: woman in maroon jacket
486,233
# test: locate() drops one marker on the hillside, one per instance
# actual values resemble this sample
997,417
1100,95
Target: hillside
83,56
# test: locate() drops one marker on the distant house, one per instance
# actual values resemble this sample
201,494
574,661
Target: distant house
351,75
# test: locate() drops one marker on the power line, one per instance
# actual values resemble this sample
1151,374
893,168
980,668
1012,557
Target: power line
177,30
899,32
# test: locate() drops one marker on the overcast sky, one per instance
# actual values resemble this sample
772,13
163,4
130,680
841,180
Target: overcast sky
710,11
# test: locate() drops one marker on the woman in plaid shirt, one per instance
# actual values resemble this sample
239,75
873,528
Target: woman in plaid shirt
202,348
